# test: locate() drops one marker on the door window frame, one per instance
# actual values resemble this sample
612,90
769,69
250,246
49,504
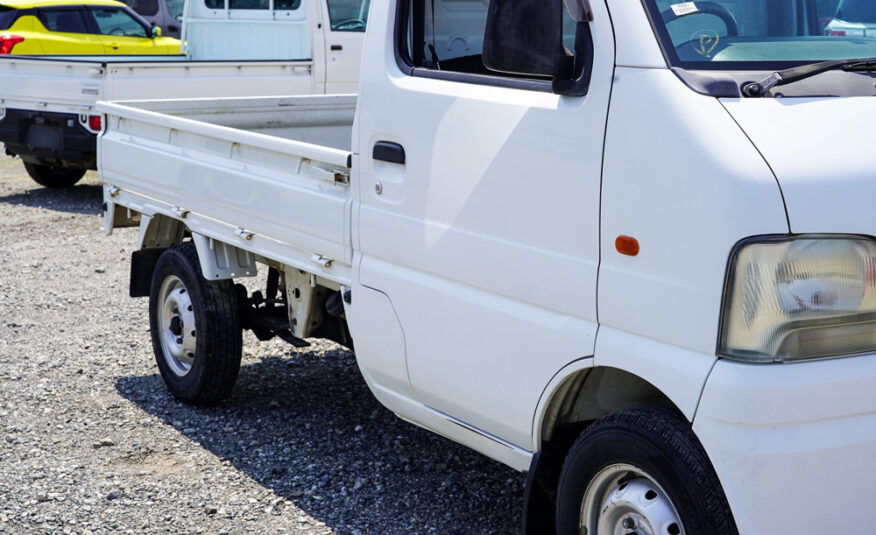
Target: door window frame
147,28
87,19
407,66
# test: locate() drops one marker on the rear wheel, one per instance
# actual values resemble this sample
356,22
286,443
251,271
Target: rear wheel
643,472
53,177
195,326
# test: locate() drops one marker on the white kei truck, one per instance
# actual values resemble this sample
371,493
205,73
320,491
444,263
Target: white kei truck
624,246
232,48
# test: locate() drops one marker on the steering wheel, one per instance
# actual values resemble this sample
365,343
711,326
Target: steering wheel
116,31
708,8
349,24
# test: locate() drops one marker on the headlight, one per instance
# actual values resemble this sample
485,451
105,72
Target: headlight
803,297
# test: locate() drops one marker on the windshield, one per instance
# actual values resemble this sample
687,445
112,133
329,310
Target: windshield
763,34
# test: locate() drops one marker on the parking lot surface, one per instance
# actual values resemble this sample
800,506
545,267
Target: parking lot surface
92,442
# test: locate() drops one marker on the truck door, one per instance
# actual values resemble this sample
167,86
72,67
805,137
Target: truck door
479,211
344,39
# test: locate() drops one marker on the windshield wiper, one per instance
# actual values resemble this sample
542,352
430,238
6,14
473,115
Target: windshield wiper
788,76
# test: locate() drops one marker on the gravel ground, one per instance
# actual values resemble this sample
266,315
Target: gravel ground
91,441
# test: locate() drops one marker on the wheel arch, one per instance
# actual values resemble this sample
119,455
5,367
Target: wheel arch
577,395
582,393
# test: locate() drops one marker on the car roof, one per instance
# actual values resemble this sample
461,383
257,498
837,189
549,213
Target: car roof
27,4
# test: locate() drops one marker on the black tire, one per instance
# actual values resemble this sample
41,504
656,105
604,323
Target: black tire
658,442
200,365
53,177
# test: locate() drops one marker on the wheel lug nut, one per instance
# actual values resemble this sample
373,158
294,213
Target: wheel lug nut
628,523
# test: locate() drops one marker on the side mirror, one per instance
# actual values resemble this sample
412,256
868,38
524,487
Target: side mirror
156,31
524,37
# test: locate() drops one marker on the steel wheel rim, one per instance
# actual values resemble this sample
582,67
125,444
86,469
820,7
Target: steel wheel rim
176,326
623,499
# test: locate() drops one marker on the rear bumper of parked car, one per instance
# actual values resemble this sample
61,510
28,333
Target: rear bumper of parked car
794,445
48,138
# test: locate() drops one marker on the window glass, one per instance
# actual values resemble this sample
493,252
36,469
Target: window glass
287,4
117,22
348,15
8,16
248,4
175,9
764,34
451,33
65,21
144,7
863,11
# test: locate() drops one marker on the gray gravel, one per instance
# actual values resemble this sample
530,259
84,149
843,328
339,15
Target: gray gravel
91,442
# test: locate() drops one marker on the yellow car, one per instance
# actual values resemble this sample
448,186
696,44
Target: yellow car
85,27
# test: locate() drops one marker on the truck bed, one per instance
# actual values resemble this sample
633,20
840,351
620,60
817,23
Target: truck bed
266,175
72,84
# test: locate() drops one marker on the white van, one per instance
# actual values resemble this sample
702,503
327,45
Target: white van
626,246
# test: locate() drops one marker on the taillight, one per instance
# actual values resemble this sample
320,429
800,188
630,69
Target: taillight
94,122
8,41
835,33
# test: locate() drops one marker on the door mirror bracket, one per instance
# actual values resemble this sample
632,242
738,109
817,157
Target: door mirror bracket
575,81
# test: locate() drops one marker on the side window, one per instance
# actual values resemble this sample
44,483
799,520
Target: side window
285,5
175,9
449,35
64,21
117,22
348,15
146,8
248,4
289,5
8,16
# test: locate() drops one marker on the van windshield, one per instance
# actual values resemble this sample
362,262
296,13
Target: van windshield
763,34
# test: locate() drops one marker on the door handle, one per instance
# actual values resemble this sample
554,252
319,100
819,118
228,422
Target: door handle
387,151
336,47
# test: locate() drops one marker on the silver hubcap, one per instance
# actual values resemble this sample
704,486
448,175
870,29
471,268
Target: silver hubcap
176,326
624,500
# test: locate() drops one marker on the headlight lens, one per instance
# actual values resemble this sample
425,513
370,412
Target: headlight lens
800,298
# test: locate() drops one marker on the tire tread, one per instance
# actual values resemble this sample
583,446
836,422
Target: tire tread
53,177
220,341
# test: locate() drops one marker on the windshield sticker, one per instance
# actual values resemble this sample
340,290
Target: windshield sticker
704,42
684,8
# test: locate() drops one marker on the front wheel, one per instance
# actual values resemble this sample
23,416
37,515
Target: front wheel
640,471
195,327
53,177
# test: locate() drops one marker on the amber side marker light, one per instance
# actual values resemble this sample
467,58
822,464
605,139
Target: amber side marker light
627,245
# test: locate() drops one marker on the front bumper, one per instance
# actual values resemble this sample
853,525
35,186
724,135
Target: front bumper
794,445
48,138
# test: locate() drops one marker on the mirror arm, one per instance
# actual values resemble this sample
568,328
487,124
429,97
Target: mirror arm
577,83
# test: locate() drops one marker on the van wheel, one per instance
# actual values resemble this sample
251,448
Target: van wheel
53,177
640,471
195,326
